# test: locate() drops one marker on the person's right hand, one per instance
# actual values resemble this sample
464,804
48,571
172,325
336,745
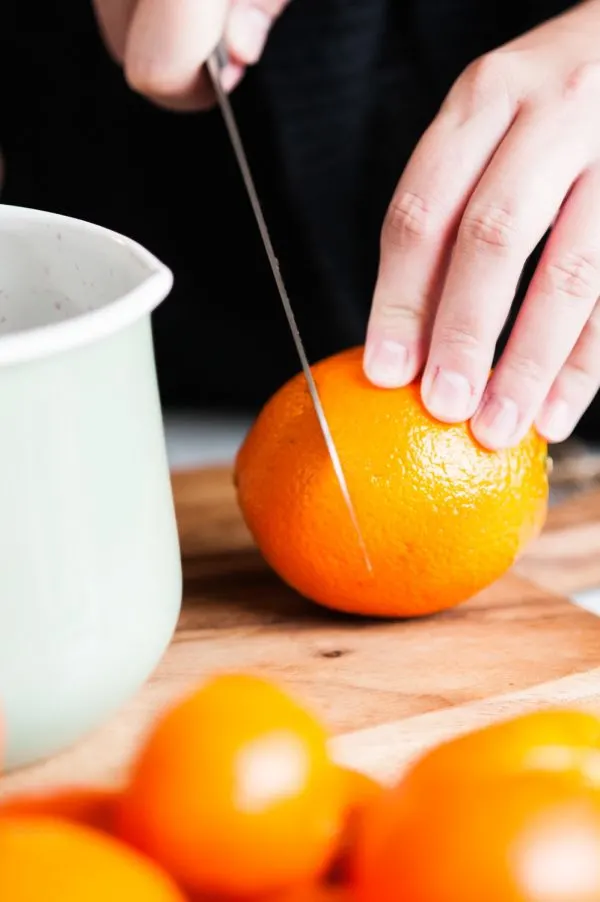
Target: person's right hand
163,44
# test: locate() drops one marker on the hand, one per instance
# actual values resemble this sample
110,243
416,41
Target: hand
514,149
163,44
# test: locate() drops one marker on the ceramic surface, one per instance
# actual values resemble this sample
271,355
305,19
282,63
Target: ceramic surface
90,574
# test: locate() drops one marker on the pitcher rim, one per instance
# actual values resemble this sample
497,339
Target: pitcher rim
93,325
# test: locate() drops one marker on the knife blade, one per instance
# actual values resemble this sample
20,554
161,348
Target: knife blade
215,63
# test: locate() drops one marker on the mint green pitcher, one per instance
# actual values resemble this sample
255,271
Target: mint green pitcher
90,572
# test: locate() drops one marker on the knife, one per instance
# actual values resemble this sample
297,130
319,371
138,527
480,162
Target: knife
215,64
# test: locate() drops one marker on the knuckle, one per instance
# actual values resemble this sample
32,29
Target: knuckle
410,219
584,80
486,77
575,275
484,73
459,338
390,313
525,371
491,227
580,376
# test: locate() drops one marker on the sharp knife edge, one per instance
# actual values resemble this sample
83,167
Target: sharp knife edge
214,66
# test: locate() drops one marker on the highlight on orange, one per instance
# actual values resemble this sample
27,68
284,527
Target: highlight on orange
234,791
528,837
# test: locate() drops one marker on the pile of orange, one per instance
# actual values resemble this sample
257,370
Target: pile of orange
234,797
441,517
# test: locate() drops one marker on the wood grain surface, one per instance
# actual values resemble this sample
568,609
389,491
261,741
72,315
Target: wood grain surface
566,557
385,689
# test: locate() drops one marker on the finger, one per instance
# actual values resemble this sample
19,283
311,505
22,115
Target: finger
421,222
114,17
170,40
558,304
248,27
575,387
509,212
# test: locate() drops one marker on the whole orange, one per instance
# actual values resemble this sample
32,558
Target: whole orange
441,516
522,838
55,861
234,791
554,741
83,805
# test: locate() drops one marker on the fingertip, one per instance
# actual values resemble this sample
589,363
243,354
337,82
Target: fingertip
448,395
248,27
388,363
555,421
498,423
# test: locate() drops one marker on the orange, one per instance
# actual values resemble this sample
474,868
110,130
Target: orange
441,516
312,893
530,837
360,791
234,791
92,807
54,861
554,741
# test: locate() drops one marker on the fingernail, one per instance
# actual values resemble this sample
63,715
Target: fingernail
448,396
386,363
555,422
247,31
495,423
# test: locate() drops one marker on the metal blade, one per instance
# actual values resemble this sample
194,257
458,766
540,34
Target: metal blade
214,65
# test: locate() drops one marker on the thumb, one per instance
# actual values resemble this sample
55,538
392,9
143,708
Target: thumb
168,42
248,27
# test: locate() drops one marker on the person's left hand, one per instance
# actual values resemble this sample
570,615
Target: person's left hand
514,150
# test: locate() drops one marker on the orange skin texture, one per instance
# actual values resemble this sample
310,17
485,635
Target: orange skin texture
441,516
82,805
553,741
234,792
55,861
530,837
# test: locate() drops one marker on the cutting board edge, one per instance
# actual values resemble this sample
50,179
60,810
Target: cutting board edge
383,751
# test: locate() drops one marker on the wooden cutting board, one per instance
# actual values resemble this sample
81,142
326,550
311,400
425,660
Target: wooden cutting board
387,690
